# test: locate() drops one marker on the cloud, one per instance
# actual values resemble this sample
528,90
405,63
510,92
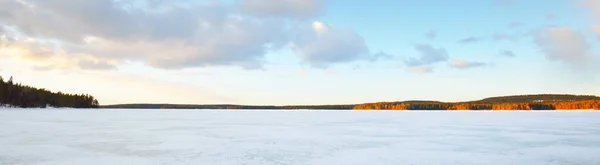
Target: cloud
421,69
324,45
503,36
551,16
302,72
167,36
330,71
515,25
593,7
563,44
182,34
382,56
431,35
469,40
5,14
172,35
508,53
428,55
25,3
463,64
301,9
48,57
596,30
95,65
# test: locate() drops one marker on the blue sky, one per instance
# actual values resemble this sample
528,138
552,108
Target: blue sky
282,52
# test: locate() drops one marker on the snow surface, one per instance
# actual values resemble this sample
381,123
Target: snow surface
6,106
153,137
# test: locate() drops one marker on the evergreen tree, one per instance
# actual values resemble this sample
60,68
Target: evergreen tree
29,97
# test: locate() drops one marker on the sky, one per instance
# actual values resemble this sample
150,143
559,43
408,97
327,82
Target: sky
291,52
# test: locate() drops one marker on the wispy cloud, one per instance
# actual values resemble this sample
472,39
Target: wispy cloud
508,53
503,36
592,6
469,40
431,35
463,64
96,65
515,25
427,55
382,56
596,30
421,69
551,16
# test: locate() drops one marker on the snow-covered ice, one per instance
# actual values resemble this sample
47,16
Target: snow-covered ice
152,137
6,106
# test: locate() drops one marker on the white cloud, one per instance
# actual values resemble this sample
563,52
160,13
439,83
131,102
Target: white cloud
463,64
570,49
562,43
319,27
323,45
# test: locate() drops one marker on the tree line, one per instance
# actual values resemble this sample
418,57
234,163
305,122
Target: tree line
519,102
537,98
523,102
229,106
23,96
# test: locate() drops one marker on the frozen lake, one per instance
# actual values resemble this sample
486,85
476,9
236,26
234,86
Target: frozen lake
152,137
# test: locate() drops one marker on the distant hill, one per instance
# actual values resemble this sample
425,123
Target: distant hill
537,98
517,102
520,102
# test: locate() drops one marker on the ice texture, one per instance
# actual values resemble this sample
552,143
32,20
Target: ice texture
211,137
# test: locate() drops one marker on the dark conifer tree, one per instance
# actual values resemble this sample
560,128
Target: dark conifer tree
29,97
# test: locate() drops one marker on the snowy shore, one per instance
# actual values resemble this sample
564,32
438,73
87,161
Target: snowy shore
7,106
